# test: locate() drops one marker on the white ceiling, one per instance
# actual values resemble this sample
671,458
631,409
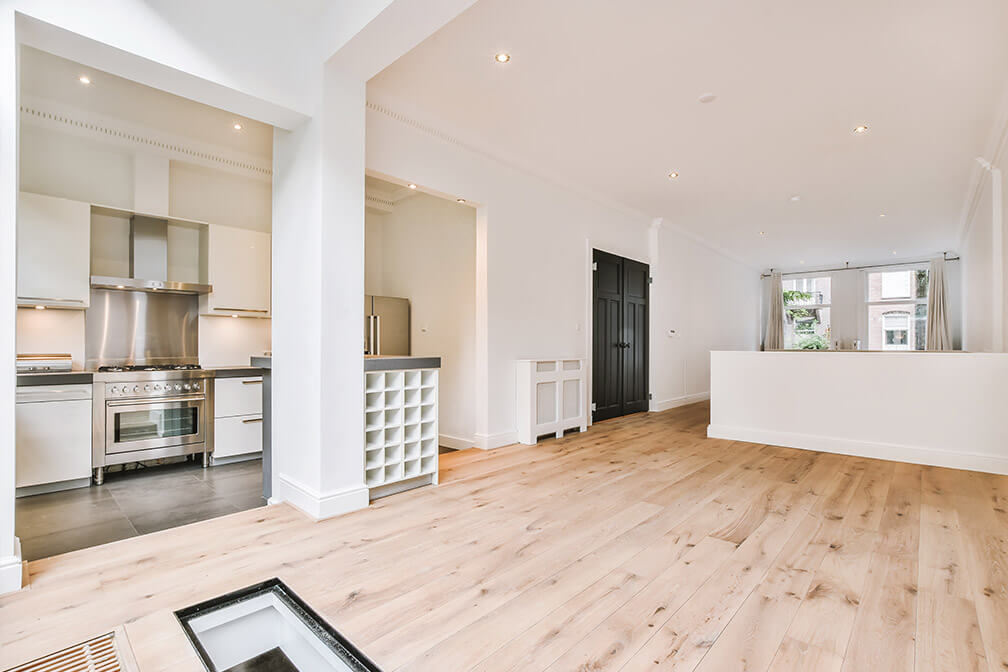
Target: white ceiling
604,94
53,78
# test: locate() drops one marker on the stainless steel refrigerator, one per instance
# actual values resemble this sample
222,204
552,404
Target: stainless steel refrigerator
386,325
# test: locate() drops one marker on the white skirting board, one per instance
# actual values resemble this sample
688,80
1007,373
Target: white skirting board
676,402
11,570
881,451
491,441
455,442
319,505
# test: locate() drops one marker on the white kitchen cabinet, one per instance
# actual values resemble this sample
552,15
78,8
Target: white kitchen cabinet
552,397
238,417
53,436
53,252
238,267
237,436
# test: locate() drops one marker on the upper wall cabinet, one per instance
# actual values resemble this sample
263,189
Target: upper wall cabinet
53,252
238,267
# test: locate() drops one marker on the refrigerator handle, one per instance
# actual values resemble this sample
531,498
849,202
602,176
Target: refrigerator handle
377,319
371,341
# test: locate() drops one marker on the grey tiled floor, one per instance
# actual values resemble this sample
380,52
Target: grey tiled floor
132,503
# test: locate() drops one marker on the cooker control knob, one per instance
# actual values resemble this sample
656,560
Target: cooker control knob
147,388
187,386
177,386
114,390
136,388
195,386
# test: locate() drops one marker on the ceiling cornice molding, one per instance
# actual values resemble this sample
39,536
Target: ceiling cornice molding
996,146
49,114
503,158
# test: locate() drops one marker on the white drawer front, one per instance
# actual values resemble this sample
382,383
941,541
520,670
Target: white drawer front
53,441
237,435
237,396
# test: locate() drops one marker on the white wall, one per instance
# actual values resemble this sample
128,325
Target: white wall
539,237
711,302
848,312
70,166
426,252
979,278
943,409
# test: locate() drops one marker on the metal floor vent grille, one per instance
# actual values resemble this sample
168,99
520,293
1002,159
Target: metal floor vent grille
95,655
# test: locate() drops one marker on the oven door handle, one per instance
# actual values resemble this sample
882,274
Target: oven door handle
152,402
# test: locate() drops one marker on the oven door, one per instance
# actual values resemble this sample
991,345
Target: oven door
132,425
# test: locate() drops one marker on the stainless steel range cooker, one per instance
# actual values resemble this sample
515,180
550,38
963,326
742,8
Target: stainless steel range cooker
150,412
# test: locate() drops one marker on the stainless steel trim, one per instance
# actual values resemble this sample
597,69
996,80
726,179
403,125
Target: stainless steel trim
140,285
377,320
141,401
140,328
240,310
370,344
252,382
245,422
154,453
40,299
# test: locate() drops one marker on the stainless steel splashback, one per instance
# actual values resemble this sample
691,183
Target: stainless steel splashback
124,327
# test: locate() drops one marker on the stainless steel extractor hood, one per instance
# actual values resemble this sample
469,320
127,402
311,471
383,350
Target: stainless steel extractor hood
149,262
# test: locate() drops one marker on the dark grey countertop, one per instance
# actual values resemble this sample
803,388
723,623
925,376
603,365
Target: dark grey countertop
391,363
86,377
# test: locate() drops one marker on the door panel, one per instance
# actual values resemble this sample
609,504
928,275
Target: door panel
607,360
620,344
635,336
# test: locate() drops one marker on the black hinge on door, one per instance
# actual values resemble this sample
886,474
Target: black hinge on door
650,396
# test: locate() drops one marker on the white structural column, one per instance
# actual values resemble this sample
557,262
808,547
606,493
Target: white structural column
10,551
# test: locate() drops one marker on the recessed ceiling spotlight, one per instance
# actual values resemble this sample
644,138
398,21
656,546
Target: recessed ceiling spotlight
237,126
502,57
882,214
707,98
762,233
802,262
460,200
894,253
795,198
861,129
84,79
411,185
673,175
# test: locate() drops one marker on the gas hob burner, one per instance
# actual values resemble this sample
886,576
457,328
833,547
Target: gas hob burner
156,367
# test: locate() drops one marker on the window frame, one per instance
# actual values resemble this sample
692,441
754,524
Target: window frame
814,306
866,304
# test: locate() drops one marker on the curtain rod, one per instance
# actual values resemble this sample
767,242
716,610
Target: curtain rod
855,268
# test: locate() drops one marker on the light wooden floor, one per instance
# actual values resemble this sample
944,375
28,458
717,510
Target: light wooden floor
639,545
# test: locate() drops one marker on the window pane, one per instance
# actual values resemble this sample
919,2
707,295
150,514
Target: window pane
807,291
896,285
807,328
897,326
921,283
920,325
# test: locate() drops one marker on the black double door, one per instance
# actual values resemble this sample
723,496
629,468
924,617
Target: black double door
620,343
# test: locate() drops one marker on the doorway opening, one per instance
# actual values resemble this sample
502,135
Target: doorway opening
620,291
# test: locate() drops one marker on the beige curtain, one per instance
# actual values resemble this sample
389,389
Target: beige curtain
774,339
938,335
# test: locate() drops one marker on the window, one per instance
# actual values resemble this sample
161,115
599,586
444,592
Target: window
807,313
897,309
